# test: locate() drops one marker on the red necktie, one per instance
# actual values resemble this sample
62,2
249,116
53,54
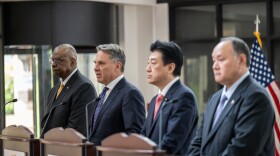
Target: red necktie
158,103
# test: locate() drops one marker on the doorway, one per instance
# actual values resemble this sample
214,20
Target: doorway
28,79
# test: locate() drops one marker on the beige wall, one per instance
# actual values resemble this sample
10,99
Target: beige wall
141,25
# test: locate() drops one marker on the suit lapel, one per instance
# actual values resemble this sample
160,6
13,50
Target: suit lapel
55,101
212,109
150,115
168,96
234,100
109,100
68,85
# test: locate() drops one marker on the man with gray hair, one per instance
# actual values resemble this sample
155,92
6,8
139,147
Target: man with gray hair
121,105
68,98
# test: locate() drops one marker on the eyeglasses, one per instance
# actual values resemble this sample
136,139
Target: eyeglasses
56,61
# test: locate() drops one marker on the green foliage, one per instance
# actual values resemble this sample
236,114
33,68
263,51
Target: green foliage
9,93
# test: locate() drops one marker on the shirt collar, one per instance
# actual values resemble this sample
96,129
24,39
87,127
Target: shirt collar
168,86
68,77
231,90
113,83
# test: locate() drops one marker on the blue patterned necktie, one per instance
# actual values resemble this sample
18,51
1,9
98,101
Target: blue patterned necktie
99,105
220,108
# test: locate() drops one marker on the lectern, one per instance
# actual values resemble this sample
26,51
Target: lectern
65,142
19,141
120,144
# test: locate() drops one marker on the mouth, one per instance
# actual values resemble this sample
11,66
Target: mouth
98,75
217,74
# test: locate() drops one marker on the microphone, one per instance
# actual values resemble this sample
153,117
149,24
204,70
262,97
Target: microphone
87,128
44,127
166,101
14,100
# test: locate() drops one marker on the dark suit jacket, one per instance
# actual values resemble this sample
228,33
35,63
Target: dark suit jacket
123,111
244,128
77,92
179,120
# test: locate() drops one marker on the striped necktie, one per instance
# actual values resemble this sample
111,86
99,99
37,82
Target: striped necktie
99,105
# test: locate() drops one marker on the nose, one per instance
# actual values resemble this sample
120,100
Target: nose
95,67
148,68
215,65
53,64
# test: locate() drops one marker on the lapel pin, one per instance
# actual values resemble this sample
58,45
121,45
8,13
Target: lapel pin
232,102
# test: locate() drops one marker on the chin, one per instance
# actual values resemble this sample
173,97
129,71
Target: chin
150,82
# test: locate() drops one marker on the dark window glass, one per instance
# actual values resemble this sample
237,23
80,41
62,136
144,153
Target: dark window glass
239,19
276,17
196,34
195,23
277,61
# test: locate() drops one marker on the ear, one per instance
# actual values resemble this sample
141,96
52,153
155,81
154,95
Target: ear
171,67
118,66
242,59
73,61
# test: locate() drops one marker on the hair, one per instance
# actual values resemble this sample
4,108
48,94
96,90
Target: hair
115,51
71,51
171,53
239,47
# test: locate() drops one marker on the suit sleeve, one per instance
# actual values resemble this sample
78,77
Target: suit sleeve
133,111
182,121
194,148
84,94
255,119
143,131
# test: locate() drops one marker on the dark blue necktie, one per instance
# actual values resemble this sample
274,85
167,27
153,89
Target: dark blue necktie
99,105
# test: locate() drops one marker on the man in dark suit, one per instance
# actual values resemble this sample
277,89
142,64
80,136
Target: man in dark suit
177,101
67,99
238,120
121,105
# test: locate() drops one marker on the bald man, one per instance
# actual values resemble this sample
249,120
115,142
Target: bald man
67,99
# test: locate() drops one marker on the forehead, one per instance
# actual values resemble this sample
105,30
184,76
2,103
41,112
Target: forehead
155,55
101,55
222,49
60,52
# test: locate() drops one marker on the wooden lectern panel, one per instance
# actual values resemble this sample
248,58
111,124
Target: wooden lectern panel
120,144
65,142
19,138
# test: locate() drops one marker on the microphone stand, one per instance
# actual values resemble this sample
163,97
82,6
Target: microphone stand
43,129
1,112
160,119
160,123
87,127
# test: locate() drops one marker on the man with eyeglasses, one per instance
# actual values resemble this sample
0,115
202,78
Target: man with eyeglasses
67,100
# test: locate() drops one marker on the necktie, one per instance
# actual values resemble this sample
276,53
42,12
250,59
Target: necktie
158,103
220,108
99,105
59,89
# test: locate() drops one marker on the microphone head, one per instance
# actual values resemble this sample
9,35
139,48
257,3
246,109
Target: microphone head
14,100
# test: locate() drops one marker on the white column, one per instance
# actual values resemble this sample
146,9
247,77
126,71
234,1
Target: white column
140,26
